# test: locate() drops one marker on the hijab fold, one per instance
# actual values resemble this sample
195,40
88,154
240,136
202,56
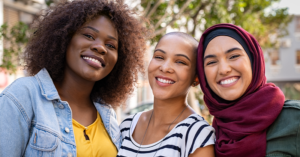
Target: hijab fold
241,125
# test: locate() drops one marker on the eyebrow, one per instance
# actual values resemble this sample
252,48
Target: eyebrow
175,55
92,28
228,51
96,30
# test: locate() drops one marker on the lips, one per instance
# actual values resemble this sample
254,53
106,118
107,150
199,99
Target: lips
94,61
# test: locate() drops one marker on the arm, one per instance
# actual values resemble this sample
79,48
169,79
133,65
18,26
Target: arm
207,151
14,127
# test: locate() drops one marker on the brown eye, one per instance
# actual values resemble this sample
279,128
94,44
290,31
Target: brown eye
111,46
158,57
209,63
88,36
181,62
234,56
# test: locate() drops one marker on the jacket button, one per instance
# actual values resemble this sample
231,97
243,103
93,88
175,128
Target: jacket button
67,130
70,155
61,106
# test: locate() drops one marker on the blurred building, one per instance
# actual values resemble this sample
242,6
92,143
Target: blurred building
12,12
283,65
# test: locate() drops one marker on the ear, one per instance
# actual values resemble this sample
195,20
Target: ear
195,82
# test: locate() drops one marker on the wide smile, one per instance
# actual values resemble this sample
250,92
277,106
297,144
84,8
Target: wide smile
228,81
164,81
94,61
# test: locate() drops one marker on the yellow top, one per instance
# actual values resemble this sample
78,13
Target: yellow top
93,141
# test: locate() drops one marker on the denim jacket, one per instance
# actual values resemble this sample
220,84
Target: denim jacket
34,121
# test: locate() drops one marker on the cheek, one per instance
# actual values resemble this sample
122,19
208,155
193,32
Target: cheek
245,69
114,58
152,66
186,75
70,56
210,75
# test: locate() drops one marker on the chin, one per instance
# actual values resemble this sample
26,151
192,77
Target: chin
230,97
161,96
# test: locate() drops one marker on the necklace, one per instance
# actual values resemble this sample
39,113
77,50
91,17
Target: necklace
147,130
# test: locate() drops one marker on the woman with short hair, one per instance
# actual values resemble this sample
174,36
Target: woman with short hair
171,128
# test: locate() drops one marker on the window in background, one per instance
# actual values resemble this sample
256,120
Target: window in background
274,55
297,29
298,57
297,24
297,61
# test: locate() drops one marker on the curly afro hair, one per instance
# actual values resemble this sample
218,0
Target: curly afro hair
56,27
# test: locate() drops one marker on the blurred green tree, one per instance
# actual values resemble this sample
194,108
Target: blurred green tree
291,92
258,17
14,39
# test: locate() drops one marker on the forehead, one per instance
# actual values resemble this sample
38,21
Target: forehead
221,44
176,44
103,24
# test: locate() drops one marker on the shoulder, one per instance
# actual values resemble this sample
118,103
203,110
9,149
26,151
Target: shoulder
198,134
289,116
127,122
292,104
22,90
126,125
285,129
23,84
195,121
197,125
19,95
289,112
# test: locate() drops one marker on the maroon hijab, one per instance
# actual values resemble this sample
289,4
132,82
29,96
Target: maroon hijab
241,125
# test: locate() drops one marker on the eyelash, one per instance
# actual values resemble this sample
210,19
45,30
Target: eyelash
91,37
88,36
209,63
111,46
181,62
234,56
159,57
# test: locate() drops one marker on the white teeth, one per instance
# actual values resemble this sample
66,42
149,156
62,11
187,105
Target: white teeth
228,81
165,81
92,59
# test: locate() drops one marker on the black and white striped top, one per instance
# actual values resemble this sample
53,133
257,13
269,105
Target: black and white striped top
188,135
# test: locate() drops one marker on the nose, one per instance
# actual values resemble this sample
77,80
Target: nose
224,68
99,47
166,67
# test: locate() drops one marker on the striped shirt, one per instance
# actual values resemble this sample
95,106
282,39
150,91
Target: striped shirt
188,135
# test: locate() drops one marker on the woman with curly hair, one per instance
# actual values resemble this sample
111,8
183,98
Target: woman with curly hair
84,58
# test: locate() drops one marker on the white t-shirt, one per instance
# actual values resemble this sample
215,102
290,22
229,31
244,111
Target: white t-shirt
188,135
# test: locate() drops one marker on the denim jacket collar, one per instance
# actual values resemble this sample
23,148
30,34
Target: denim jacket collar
46,84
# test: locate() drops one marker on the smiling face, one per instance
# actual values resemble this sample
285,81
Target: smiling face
93,50
172,69
227,68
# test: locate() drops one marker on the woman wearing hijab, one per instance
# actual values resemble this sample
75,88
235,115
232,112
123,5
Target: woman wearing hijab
251,116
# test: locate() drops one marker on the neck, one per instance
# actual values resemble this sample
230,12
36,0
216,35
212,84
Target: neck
165,111
74,89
